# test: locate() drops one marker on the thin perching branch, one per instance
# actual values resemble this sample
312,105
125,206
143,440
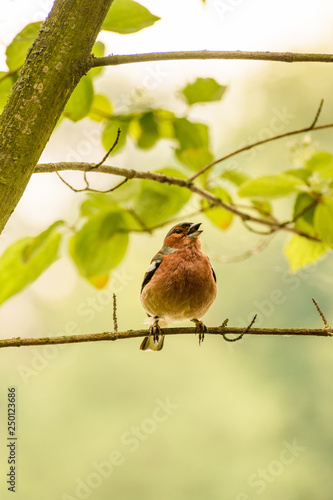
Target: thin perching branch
115,60
222,330
130,334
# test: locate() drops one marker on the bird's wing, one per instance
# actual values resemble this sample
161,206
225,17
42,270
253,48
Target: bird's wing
214,275
156,261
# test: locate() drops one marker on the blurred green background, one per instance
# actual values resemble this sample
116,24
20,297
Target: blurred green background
224,421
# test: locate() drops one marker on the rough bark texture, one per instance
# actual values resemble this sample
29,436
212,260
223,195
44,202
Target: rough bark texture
57,60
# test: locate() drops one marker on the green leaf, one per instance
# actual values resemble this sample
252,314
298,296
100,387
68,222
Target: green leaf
158,202
321,162
193,139
302,252
165,120
99,246
110,132
17,50
318,160
301,173
6,83
190,135
304,222
95,203
147,133
323,221
219,216
203,90
36,242
100,109
270,186
195,159
98,203
98,50
125,194
25,260
127,16
235,177
263,207
80,101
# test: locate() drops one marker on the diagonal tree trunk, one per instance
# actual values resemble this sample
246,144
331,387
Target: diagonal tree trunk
58,58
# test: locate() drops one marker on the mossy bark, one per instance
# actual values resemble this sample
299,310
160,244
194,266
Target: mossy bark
58,58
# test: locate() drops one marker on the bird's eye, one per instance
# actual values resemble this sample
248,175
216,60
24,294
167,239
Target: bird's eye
178,231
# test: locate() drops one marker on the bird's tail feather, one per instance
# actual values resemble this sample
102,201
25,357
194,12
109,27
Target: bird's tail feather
149,344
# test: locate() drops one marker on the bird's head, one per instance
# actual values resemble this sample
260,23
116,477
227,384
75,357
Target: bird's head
185,234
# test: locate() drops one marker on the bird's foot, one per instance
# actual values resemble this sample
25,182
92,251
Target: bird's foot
155,339
201,328
155,331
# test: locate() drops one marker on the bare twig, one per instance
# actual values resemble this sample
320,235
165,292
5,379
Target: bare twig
245,255
240,336
150,229
109,151
93,166
69,185
267,232
248,328
317,115
115,321
289,57
88,188
140,221
321,314
264,141
301,213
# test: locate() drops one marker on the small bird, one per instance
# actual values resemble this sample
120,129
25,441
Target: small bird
179,284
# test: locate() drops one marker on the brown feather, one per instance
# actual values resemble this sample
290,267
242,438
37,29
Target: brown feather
183,287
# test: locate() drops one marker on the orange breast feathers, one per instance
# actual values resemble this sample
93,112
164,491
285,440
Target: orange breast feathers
182,287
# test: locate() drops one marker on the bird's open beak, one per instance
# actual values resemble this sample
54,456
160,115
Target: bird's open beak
193,230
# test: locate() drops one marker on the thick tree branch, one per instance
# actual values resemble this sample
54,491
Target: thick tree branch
130,334
56,61
114,60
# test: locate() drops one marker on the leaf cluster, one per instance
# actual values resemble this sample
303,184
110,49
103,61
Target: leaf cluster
99,242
